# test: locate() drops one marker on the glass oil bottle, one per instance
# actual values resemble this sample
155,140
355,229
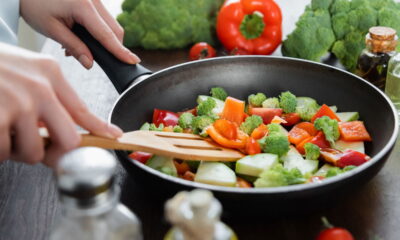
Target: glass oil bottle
372,64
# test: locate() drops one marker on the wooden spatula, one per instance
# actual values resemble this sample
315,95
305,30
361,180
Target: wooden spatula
179,145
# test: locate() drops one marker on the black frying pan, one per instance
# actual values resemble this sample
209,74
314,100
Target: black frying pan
176,88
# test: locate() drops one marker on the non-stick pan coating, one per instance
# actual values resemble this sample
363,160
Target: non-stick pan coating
176,88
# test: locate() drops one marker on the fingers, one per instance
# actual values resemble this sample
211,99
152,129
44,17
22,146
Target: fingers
96,25
111,22
63,134
73,45
28,146
80,113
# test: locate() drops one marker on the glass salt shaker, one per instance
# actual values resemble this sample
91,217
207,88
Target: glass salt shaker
90,199
372,65
196,216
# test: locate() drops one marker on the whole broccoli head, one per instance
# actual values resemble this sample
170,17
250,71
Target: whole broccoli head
200,123
288,102
168,24
330,127
256,100
185,120
313,36
271,103
279,176
206,107
275,142
312,151
219,93
251,123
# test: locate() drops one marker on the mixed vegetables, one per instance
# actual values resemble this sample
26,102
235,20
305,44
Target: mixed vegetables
287,140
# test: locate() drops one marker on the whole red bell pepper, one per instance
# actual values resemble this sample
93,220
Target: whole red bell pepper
252,26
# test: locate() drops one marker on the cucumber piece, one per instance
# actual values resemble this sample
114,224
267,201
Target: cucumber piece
333,108
253,165
283,130
163,164
306,107
247,177
293,159
215,173
345,145
323,170
219,103
348,116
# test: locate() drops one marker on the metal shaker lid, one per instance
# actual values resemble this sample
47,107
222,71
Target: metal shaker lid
86,172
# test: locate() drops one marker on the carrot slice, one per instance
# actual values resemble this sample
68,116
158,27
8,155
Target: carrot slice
181,168
188,176
278,120
226,128
325,111
233,110
296,135
354,131
252,146
240,182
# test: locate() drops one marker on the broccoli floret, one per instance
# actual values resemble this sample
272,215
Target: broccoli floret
185,120
321,4
288,102
168,24
330,127
274,128
275,142
348,168
251,123
313,36
256,100
279,176
206,107
306,108
145,126
219,93
153,127
200,123
177,129
312,151
333,172
271,103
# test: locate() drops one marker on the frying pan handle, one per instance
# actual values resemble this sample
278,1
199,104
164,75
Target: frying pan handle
121,74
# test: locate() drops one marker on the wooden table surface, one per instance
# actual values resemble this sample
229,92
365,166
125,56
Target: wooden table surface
28,195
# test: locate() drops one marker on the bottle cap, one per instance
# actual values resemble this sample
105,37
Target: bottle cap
85,172
381,39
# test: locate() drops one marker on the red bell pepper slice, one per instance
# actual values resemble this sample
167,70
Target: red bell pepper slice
223,141
325,111
291,119
140,156
165,117
233,110
252,26
354,131
320,140
267,114
252,146
259,132
226,128
352,158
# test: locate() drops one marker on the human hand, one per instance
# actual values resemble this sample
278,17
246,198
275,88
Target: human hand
33,90
55,19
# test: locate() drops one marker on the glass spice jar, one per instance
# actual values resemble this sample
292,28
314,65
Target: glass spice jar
372,64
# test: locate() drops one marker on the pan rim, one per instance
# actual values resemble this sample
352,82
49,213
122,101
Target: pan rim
273,190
